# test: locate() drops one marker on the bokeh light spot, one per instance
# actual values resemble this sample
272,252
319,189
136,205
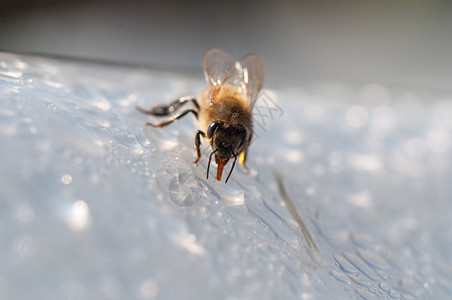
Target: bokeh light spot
439,140
357,117
66,179
25,214
149,288
79,217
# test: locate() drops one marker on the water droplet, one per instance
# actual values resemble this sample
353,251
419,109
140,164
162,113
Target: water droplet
149,288
315,149
315,113
361,199
414,148
294,137
335,159
374,94
367,162
294,156
66,179
25,214
24,247
20,64
79,217
439,140
357,117
310,191
318,170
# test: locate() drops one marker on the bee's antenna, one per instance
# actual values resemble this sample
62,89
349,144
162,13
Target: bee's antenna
208,164
233,164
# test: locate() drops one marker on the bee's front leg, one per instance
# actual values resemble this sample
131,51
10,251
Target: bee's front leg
197,145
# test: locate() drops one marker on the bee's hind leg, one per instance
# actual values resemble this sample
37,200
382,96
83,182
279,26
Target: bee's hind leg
242,158
197,145
175,117
242,161
162,110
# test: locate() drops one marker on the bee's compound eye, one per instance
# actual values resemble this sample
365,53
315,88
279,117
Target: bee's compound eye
212,127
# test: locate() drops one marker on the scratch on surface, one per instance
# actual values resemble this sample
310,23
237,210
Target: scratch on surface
313,248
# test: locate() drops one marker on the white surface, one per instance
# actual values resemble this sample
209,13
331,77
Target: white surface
88,195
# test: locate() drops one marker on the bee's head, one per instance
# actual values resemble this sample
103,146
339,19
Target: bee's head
226,140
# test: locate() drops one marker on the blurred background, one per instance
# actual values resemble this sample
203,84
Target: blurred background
403,43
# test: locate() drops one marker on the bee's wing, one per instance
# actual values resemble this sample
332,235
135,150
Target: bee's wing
247,75
219,67
253,71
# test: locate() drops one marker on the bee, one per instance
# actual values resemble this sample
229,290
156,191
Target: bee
224,108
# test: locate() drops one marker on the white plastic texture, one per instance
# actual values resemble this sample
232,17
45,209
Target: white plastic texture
96,206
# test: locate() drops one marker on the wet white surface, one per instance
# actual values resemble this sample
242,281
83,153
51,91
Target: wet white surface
95,206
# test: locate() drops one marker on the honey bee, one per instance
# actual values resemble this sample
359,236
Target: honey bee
224,109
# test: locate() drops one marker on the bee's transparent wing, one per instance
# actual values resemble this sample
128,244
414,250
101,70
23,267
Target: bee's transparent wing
253,71
247,75
219,67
